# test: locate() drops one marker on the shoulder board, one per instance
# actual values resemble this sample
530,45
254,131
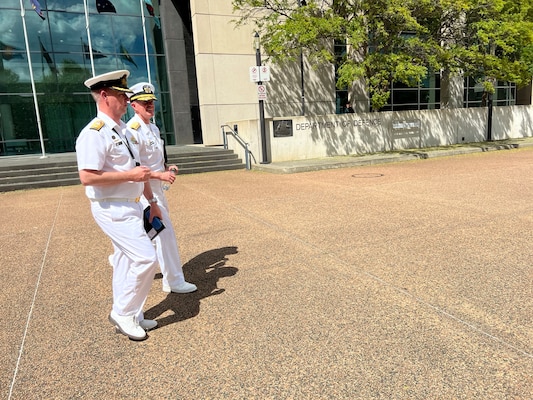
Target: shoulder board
135,125
133,140
97,125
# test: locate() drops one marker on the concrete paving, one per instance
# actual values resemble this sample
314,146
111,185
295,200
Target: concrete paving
404,280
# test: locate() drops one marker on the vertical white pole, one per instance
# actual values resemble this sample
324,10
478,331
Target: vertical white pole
145,42
39,127
88,35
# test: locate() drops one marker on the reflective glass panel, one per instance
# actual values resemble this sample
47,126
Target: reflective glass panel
60,60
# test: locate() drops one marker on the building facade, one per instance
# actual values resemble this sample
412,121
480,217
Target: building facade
191,51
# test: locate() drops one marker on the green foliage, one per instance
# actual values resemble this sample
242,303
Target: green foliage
400,40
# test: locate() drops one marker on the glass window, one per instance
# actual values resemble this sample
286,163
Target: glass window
11,4
430,97
424,97
474,96
406,96
61,62
12,35
341,95
163,118
19,134
68,32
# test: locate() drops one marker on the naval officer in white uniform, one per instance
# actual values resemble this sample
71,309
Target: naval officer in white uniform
109,168
151,150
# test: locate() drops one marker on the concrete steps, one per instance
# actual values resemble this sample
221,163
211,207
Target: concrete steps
30,172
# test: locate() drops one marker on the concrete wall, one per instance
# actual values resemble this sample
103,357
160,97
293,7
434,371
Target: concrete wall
350,134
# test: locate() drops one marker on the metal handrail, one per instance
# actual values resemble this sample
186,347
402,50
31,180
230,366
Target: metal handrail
233,132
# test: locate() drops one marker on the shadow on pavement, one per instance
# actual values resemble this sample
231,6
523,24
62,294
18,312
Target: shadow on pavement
204,271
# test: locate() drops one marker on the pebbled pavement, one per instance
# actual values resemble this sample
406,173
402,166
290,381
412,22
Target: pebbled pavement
398,280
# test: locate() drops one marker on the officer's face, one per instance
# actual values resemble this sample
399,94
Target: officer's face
116,101
145,109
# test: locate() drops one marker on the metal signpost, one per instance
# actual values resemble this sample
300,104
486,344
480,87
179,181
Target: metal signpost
260,73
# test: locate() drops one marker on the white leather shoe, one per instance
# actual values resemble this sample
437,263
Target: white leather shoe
185,287
147,324
127,325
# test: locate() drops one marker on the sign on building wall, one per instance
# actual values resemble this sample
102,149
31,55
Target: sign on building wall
283,128
405,129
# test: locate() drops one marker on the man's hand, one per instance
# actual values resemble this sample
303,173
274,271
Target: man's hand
155,211
168,176
140,174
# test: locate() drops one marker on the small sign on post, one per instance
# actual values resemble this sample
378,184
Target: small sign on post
254,74
260,73
261,92
264,73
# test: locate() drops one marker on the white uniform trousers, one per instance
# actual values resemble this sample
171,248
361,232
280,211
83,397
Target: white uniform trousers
168,253
134,260
166,243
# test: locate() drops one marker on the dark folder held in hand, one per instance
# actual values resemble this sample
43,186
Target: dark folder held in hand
152,229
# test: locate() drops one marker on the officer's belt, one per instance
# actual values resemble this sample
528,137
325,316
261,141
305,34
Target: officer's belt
117,200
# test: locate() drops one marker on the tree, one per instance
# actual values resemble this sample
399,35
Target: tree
400,40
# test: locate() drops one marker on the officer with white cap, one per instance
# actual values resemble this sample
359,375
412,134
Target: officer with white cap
110,169
151,150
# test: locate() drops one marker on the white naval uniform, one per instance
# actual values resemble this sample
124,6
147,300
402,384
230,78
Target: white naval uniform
152,155
101,148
